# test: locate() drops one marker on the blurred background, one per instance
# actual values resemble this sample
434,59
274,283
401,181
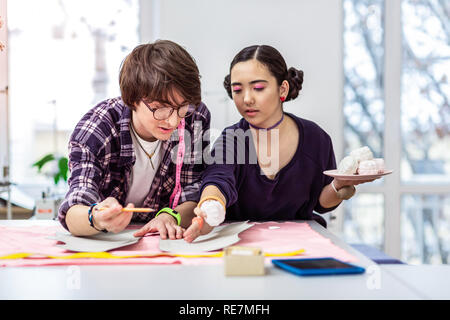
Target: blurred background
376,74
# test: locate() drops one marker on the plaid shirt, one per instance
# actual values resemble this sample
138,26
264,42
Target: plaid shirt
101,158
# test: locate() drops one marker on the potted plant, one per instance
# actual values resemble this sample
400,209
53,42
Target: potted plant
60,164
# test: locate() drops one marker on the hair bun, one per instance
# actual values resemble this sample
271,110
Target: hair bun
295,79
227,85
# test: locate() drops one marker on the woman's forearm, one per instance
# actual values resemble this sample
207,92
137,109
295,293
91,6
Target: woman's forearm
186,211
213,191
328,197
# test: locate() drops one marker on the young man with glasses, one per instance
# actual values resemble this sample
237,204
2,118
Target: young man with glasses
125,152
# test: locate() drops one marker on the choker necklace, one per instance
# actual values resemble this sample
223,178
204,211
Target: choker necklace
149,155
270,128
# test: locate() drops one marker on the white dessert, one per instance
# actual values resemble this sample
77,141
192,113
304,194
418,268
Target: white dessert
361,161
380,164
362,154
367,167
348,165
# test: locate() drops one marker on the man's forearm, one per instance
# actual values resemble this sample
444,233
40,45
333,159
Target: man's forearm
186,211
77,221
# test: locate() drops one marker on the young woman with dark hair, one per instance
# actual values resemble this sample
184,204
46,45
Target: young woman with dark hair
286,182
121,152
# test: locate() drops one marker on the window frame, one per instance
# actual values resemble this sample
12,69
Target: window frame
393,188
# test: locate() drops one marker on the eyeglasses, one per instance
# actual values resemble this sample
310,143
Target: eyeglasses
164,113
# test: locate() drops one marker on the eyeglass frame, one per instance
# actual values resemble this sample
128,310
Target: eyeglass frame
171,111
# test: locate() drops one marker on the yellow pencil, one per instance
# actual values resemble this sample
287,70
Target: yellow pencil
132,209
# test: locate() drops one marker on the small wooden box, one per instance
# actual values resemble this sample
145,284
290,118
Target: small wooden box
243,261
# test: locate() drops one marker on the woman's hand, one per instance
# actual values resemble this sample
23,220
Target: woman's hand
165,224
111,217
194,230
338,183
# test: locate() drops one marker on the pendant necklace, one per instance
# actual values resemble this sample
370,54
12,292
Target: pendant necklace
149,155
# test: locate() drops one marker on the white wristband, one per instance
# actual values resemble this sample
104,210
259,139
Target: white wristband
215,214
333,186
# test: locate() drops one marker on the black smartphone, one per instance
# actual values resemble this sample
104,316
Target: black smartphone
317,266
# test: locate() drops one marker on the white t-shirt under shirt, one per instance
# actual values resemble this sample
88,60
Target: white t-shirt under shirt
143,173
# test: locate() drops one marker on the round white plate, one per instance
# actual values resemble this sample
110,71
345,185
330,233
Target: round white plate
335,174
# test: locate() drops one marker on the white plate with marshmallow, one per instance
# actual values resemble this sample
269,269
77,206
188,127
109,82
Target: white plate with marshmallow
337,175
359,165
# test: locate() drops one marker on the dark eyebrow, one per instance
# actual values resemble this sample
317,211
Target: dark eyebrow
167,104
251,82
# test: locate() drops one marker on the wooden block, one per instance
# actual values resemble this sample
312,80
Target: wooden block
243,261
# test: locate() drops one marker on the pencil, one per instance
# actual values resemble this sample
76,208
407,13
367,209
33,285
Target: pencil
143,210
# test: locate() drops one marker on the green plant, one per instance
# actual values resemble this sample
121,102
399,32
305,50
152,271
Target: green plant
63,167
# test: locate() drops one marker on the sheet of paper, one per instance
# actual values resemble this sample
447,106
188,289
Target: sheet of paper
96,243
219,238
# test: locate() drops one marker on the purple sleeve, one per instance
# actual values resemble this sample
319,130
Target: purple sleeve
329,164
221,172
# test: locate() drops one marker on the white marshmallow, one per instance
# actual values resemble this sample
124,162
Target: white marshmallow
380,164
367,167
348,165
362,154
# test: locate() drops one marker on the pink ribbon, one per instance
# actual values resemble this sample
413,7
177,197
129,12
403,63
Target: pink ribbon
175,197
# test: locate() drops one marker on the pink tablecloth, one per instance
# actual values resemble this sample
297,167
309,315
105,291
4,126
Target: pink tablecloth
272,237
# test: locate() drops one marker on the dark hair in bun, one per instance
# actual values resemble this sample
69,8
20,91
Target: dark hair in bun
274,61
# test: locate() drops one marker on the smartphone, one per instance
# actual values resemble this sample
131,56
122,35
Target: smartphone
317,266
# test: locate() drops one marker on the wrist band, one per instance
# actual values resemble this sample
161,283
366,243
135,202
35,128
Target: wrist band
211,198
172,212
91,218
344,193
333,186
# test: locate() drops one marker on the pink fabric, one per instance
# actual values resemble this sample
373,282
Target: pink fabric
289,236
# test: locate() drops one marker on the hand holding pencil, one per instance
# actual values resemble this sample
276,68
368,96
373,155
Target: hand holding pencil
110,215
130,209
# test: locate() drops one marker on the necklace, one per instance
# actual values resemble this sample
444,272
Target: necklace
270,128
149,155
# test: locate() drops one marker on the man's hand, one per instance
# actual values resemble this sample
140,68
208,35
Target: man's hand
111,217
165,224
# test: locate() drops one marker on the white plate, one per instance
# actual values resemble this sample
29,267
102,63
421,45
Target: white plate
336,174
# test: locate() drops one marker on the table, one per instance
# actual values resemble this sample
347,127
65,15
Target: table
181,282
5,186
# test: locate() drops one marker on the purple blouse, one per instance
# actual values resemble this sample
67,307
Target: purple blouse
294,192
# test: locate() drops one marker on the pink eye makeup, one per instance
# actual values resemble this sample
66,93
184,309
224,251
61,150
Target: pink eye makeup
237,88
259,87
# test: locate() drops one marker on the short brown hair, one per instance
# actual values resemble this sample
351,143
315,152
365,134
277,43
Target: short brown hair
152,71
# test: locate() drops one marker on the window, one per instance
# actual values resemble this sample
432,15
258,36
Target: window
409,210
64,58
425,228
425,129
425,92
364,111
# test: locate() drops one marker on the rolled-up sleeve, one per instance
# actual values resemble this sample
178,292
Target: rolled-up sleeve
84,180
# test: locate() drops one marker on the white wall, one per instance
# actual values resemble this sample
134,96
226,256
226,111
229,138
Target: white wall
308,33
